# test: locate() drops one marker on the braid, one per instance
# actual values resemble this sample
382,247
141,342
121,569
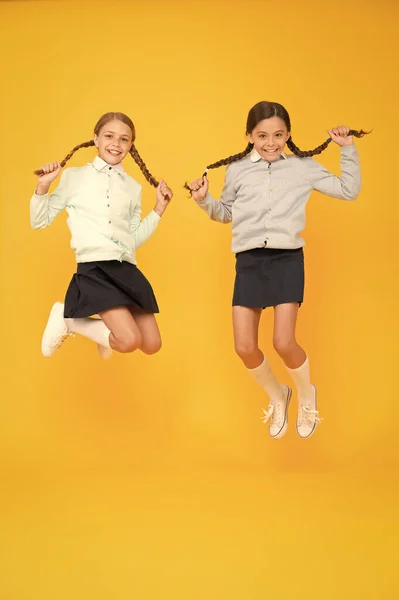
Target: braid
72,152
225,161
139,161
358,134
230,159
68,156
306,153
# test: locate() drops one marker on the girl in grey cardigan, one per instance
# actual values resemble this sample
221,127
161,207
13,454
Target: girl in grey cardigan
264,197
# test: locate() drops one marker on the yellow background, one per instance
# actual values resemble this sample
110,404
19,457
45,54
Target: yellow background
154,477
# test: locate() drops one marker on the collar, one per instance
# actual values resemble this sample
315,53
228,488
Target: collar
255,156
99,164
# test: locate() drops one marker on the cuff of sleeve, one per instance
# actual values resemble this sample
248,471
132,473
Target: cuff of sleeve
156,215
207,200
349,150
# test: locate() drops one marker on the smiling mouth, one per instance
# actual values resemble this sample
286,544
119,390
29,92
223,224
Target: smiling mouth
114,152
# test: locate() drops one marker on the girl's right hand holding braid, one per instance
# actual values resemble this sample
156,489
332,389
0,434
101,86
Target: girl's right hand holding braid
199,189
50,172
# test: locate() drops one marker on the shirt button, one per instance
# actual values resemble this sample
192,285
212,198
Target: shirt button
265,242
110,168
109,222
108,205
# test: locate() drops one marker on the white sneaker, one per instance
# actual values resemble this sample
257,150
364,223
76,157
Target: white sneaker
104,352
278,414
56,331
308,417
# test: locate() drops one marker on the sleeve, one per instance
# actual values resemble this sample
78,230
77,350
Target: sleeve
45,208
220,210
345,187
142,230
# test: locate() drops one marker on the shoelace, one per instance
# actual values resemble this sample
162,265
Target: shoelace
306,416
272,413
61,338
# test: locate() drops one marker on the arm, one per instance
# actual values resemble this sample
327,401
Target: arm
217,210
345,187
43,207
142,230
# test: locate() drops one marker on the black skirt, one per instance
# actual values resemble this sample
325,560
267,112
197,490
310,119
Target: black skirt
99,286
267,277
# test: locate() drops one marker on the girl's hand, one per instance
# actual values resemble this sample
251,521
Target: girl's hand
164,195
199,189
340,136
49,173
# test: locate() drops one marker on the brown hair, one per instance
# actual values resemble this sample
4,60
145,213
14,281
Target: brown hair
267,110
113,116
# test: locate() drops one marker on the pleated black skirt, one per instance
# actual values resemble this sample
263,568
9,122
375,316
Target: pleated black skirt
99,286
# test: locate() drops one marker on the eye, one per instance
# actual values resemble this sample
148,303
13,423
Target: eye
108,135
279,134
261,136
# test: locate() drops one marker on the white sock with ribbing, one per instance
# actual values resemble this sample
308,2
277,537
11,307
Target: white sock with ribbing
265,377
94,329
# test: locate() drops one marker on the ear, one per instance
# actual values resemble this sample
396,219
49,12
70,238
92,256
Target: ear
96,140
289,135
250,137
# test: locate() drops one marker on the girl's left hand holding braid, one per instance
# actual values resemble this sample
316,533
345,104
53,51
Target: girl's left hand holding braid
164,195
340,135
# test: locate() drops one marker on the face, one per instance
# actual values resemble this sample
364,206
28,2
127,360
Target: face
269,138
113,142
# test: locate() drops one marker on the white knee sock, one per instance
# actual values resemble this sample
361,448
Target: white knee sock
94,329
301,378
265,377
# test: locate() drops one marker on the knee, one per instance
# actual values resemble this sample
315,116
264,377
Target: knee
284,346
245,348
128,342
151,346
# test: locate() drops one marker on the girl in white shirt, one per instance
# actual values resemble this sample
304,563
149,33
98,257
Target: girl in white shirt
264,196
104,207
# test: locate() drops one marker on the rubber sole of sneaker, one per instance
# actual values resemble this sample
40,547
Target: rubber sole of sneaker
103,352
285,426
55,308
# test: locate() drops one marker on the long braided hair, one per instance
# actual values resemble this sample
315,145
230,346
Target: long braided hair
267,110
106,118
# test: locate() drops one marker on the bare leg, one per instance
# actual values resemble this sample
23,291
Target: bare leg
246,326
284,341
150,335
125,335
